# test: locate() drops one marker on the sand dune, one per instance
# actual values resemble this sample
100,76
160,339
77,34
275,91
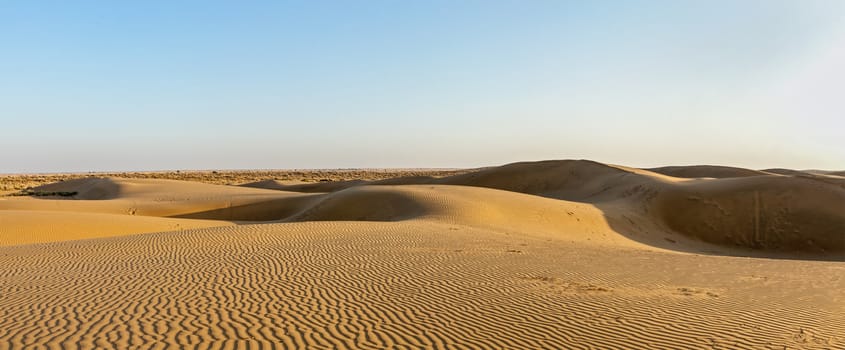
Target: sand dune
806,172
763,215
696,171
758,214
790,214
552,254
25,227
485,208
163,198
333,186
318,187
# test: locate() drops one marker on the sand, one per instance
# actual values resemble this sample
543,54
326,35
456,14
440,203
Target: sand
555,254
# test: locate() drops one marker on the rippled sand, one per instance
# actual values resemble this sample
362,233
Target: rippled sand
558,255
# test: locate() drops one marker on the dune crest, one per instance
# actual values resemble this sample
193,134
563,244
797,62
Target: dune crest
731,208
91,188
714,171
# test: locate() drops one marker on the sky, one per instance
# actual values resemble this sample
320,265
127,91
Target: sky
158,85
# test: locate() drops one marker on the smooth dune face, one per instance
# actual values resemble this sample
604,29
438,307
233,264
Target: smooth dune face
25,227
771,213
736,211
553,254
697,171
780,171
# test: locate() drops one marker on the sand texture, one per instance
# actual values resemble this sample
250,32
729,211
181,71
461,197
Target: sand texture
535,255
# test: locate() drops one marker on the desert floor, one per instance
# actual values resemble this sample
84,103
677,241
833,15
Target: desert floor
553,254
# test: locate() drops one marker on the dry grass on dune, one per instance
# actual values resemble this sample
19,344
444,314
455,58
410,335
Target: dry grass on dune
552,254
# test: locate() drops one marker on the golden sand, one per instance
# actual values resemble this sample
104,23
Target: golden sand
556,254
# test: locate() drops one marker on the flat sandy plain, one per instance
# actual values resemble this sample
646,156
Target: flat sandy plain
553,254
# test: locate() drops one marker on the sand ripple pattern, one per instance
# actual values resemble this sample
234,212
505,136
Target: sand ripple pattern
413,285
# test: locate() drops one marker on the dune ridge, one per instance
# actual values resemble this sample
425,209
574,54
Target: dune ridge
718,172
748,210
758,215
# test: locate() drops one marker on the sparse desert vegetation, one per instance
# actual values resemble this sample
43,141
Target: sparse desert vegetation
33,193
15,182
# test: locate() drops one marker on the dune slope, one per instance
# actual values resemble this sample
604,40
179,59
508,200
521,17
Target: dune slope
25,227
740,214
714,171
772,213
762,215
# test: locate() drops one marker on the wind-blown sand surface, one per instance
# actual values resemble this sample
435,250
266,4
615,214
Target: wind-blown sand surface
555,254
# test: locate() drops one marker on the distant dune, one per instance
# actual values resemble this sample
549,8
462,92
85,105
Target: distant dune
736,208
696,171
788,172
550,254
730,210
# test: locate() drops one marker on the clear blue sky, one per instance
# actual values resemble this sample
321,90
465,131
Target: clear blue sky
143,85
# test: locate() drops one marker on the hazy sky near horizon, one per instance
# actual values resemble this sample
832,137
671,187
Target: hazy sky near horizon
149,85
